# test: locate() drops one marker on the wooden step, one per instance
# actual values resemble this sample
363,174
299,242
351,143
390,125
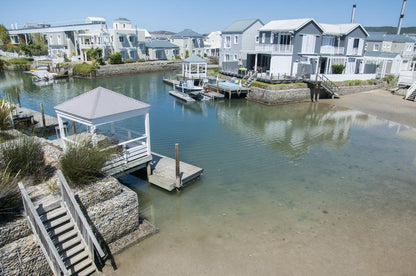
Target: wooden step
57,222
88,271
79,267
61,229
54,214
66,236
68,244
45,209
73,251
76,259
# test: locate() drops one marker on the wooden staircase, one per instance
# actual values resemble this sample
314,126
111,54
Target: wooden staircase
67,239
250,78
63,233
411,93
329,86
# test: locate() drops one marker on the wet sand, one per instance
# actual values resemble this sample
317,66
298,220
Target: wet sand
381,103
341,228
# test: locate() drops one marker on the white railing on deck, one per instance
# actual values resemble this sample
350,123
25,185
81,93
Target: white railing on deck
275,48
78,217
39,230
332,50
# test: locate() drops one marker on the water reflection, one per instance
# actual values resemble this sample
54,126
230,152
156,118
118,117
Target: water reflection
293,129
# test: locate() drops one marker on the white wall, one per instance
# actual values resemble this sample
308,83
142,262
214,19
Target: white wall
280,65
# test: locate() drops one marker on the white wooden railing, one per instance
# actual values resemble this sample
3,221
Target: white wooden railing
39,230
78,217
332,50
275,48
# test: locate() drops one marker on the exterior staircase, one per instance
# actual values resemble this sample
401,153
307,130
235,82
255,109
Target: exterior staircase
63,233
411,93
250,78
330,87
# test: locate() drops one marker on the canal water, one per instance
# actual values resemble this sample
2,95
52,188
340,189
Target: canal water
299,189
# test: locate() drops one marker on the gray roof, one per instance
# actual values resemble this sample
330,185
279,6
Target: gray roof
187,33
380,36
100,106
160,44
121,19
194,59
240,26
381,54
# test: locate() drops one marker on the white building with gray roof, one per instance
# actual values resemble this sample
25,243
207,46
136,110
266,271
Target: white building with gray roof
189,42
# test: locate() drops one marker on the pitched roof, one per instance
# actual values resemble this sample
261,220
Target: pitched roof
381,54
287,25
240,26
186,33
101,105
340,29
121,19
194,59
160,44
380,36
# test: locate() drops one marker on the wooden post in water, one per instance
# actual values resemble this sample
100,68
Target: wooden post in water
43,115
177,165
18,100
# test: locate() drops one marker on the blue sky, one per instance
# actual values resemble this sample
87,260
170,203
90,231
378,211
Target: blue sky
203,16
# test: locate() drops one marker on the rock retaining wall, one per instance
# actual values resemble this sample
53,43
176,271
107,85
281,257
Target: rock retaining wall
133,68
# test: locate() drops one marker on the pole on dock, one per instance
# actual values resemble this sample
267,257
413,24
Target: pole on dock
177,165
18,100
74,127
43,115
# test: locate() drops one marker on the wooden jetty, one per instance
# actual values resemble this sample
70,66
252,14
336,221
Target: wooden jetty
36,120
171,81
228,89
212,94
181,95
169,174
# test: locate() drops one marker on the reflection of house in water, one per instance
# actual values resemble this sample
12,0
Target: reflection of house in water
293,129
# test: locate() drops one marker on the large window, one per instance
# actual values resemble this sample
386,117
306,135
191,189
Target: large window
226,57
131,39
376,47
263,38
227,42
236,39
356,43
59,39
121,39
285,39
328,41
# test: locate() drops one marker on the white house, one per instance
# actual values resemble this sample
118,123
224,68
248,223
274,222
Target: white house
212,44
189,42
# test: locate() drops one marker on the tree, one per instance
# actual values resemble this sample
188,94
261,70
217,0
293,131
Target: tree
116,58
96,55
4,37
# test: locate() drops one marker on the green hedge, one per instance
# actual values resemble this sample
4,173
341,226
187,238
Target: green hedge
84,69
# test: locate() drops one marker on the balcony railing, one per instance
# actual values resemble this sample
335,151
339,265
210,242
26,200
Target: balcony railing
332,50
275,48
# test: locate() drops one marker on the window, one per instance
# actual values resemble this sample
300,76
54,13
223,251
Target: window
236,39
271,38
235,57
124,26
227,42
121,39
263,38
308,44
133,54
285,39
257,39
376,47
59,39
356,42
51,39
131,39
328,41
226,57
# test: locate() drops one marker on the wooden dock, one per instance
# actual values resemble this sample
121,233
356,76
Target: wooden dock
230,90
34,119
181,95
171,81
212,94
164,172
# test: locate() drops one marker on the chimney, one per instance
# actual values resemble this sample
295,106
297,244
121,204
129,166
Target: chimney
353,13
399,27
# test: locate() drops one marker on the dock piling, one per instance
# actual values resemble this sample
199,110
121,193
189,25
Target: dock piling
43,115
177,166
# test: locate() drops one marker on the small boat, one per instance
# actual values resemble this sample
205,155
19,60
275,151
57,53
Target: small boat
188,86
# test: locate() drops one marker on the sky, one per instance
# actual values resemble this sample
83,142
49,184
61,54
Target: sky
204,16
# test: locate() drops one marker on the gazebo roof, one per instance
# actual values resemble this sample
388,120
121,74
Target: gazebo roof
101,106
194,59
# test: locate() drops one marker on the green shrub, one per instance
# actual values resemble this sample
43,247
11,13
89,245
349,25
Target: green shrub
10,198
337,68
141,60
116,58
84,69
5,109
129,60
23,157
82,163
19,61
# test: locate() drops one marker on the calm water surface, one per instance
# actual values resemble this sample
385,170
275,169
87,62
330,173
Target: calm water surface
287,190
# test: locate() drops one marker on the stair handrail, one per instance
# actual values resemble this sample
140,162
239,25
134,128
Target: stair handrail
326,80
49,250
411,89
74,210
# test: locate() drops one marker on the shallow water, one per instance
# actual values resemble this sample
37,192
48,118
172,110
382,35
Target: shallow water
301,189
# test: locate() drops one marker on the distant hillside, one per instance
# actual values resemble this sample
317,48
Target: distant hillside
392,30
162,32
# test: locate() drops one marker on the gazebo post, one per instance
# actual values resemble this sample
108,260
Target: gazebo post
62,132
147,133
94,135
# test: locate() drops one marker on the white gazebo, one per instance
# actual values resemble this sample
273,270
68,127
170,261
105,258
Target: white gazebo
194,67
103,107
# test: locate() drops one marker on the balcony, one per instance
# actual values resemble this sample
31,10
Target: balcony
332,50
275,48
